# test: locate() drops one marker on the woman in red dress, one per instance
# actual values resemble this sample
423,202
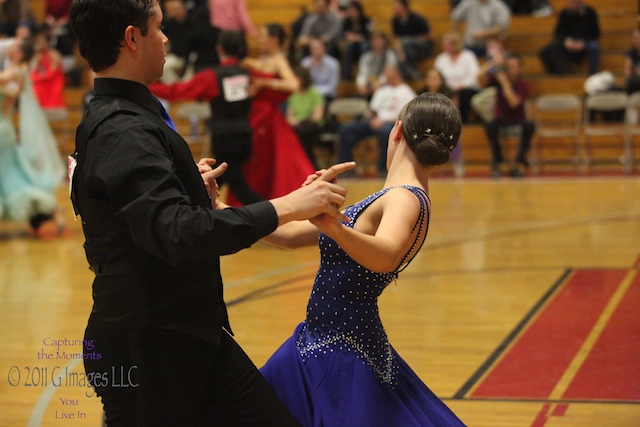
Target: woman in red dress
278,164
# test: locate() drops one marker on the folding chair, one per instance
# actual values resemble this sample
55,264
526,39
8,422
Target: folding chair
557,117
606,105
632,130
341,110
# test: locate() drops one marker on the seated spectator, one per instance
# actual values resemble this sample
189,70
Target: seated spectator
511,96
321,24
575,37
305,113
176,26
411,38
483,19
10,12
323,68
483,102
355,37
203,39
385,105
47,74
632,64
371,65
434,82
460,69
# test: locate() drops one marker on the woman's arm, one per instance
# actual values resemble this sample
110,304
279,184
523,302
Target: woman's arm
378,246
294,235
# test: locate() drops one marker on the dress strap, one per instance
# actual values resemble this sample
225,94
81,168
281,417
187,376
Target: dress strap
422,224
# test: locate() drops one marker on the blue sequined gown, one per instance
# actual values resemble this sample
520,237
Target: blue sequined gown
31,168
338,368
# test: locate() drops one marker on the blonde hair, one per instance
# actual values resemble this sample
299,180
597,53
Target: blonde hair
455,39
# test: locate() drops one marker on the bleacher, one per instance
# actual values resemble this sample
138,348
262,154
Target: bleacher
526,36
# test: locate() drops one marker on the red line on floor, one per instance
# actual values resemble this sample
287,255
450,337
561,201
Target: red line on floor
612,368
536,362
542,417
560,410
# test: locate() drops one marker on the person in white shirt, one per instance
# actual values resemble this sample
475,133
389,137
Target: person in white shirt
460,69
385,105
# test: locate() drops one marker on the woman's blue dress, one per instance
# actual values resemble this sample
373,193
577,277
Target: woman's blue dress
338,368
31,168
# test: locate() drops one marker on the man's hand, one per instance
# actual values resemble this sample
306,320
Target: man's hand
319,195
205,165
211,184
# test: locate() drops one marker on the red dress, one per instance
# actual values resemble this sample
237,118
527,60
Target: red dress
278,163
48,82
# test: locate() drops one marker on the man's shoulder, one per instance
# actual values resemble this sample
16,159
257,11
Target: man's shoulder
119,114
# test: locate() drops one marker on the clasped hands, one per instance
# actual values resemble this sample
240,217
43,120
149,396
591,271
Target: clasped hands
318,199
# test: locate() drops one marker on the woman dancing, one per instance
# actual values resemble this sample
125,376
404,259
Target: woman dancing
278,162
338,368
31,169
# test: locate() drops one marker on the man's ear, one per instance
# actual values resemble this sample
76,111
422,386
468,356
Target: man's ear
129,38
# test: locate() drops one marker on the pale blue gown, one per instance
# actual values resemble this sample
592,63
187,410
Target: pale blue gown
31,166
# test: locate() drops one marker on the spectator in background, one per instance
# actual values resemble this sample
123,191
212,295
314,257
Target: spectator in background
411,38
511,96
371,65
203,39
355,37
460,68
232,15
10,13
483,103
632,64
323,68
177,26
483,19
47,74
385,105
305,113
322,24
576,36
434,82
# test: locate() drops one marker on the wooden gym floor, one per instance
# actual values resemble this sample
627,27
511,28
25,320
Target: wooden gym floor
520,311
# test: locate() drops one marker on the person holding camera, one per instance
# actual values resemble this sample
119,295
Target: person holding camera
504,73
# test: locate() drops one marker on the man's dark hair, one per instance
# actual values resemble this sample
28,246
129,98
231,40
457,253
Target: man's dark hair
230,42
99,27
